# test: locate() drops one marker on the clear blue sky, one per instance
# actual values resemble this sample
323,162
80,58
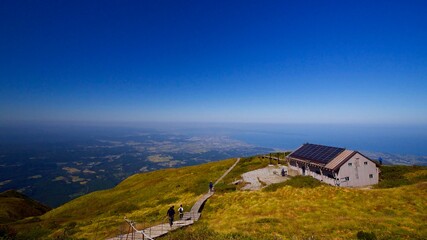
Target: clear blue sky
214,61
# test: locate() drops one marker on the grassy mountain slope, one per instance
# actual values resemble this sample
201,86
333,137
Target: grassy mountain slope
15,206
302,208
298,209
144,198
322,212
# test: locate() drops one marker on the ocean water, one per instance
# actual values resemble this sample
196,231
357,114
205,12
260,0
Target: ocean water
386,138
395,139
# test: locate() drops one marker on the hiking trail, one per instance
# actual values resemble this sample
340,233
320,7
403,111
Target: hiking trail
162,229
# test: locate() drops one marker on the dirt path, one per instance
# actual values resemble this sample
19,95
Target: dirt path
260,178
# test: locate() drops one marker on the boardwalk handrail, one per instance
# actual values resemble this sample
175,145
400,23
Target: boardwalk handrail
132,224
194,214
228,171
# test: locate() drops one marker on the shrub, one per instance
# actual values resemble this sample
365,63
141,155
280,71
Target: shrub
222,187
395,176
200,232
199,187
297,182
124,207
33,234
236,236
366,235
267,220
203,232
168,200
7,232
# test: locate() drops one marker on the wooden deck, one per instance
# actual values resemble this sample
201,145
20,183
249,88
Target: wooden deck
162,229
153,232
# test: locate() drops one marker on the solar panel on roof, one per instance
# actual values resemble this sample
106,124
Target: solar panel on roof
317,153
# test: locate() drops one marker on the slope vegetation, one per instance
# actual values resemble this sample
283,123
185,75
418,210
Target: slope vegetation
144,198
301,208
15,206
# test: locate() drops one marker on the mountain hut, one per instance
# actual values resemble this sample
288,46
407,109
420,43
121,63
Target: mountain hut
335,166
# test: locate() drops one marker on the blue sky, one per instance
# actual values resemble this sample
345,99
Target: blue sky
214,61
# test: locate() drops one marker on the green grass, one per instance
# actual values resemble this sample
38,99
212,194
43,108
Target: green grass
303,208
15,206
297,182
144,198
300,208
395,176
324,212
267,220
280,155
203,232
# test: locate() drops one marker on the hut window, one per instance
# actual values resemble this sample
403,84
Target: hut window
371,175
366,163
349,164
347,178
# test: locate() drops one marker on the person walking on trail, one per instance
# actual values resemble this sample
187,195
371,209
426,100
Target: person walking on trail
171,214
210,186
181,212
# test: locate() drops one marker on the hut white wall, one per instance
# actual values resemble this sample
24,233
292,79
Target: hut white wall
360,171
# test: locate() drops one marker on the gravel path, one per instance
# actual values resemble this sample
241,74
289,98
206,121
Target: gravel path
268,175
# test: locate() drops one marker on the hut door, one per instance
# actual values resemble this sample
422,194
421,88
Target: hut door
303,170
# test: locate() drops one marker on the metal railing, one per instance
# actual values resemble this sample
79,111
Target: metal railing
136,231
133,231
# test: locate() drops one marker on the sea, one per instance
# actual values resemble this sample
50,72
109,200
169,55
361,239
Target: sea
409,139
394,139
402,139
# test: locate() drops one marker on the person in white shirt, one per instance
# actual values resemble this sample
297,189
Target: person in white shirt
181,212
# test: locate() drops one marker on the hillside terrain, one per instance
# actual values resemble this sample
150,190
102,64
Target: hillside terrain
15,206
299,208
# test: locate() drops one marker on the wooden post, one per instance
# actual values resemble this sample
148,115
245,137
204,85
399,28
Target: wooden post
127,235
143,229
321,174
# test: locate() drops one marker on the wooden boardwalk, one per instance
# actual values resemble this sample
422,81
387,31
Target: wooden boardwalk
162,229
229,170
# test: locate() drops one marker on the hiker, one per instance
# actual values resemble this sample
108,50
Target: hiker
171,214
210,186
283,172
181,212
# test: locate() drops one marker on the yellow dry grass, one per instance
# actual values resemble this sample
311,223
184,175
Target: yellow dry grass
324,212
144,198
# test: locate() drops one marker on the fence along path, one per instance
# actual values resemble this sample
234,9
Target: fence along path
162,229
